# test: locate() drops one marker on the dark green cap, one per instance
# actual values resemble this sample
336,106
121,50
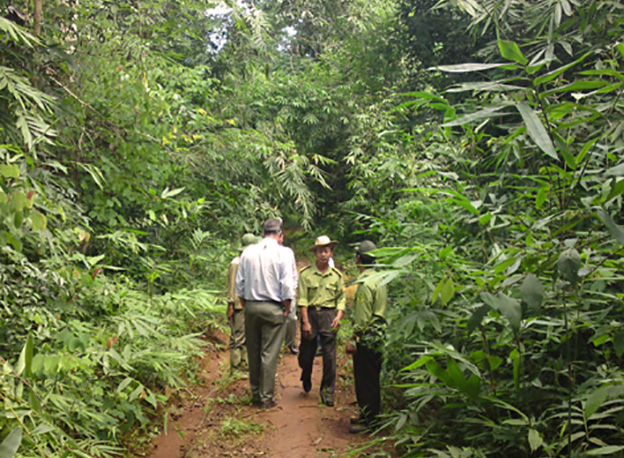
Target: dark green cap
365,247
248,239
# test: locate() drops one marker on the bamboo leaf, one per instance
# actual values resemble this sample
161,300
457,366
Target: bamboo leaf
536,130
608,450
532,291
595,400
466,68
555,73
616,230
568,264
11,443
507,306
511,51
535,440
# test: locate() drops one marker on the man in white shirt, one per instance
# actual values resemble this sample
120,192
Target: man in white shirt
266,284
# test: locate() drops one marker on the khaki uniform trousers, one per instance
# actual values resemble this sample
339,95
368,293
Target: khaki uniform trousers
238,352
264,332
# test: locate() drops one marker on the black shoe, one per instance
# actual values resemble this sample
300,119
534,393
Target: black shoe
268,405
356,420
328,402
293,350
307,385
357,429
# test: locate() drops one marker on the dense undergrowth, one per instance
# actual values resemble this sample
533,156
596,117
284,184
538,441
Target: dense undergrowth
139,140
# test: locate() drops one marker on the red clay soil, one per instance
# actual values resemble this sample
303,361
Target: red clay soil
216,419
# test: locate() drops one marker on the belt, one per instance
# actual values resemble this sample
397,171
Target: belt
318,309
265,300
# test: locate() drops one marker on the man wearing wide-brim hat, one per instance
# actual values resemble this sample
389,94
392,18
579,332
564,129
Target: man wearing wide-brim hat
322,301
235,315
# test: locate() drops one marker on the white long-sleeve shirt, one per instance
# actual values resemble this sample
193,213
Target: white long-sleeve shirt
266,272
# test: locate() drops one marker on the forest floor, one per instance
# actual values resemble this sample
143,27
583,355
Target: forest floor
215,417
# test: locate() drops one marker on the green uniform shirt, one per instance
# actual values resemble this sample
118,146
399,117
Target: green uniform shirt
231,284
321,290
371,304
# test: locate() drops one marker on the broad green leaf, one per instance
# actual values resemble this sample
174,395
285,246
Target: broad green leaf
167,193
582,85
420,362
532,291
436,370
11,443
586,147
500,267
486,218
535,440
568,264
42,429
39,221
617,171
124,384
618,344
507,306
465,68
447,292
491,86
541,197
536,130
24,363
477,317
511,51
616,230
604,72
465,205
445,252
494,362
9,170
555,73
609,450
18,201
595,400
616,190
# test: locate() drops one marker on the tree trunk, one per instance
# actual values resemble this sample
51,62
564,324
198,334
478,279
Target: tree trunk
38,17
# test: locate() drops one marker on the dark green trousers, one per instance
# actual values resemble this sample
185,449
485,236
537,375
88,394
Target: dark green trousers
366,370
320,321
264,333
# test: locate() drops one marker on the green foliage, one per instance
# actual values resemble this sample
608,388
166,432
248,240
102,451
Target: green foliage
526,291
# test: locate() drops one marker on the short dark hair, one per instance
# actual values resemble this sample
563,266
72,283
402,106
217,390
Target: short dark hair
272,226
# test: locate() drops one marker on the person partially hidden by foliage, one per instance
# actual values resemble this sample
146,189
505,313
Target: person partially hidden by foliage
235,315
322,301
266,285
369,323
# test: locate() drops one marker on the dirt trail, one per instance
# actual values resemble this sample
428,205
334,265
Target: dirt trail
216,419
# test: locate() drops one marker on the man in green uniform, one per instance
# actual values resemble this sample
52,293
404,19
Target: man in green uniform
322,300
369,322
235,312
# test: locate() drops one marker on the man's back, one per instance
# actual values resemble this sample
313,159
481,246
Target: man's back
265,272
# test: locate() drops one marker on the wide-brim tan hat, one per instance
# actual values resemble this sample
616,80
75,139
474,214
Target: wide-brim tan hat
322,241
